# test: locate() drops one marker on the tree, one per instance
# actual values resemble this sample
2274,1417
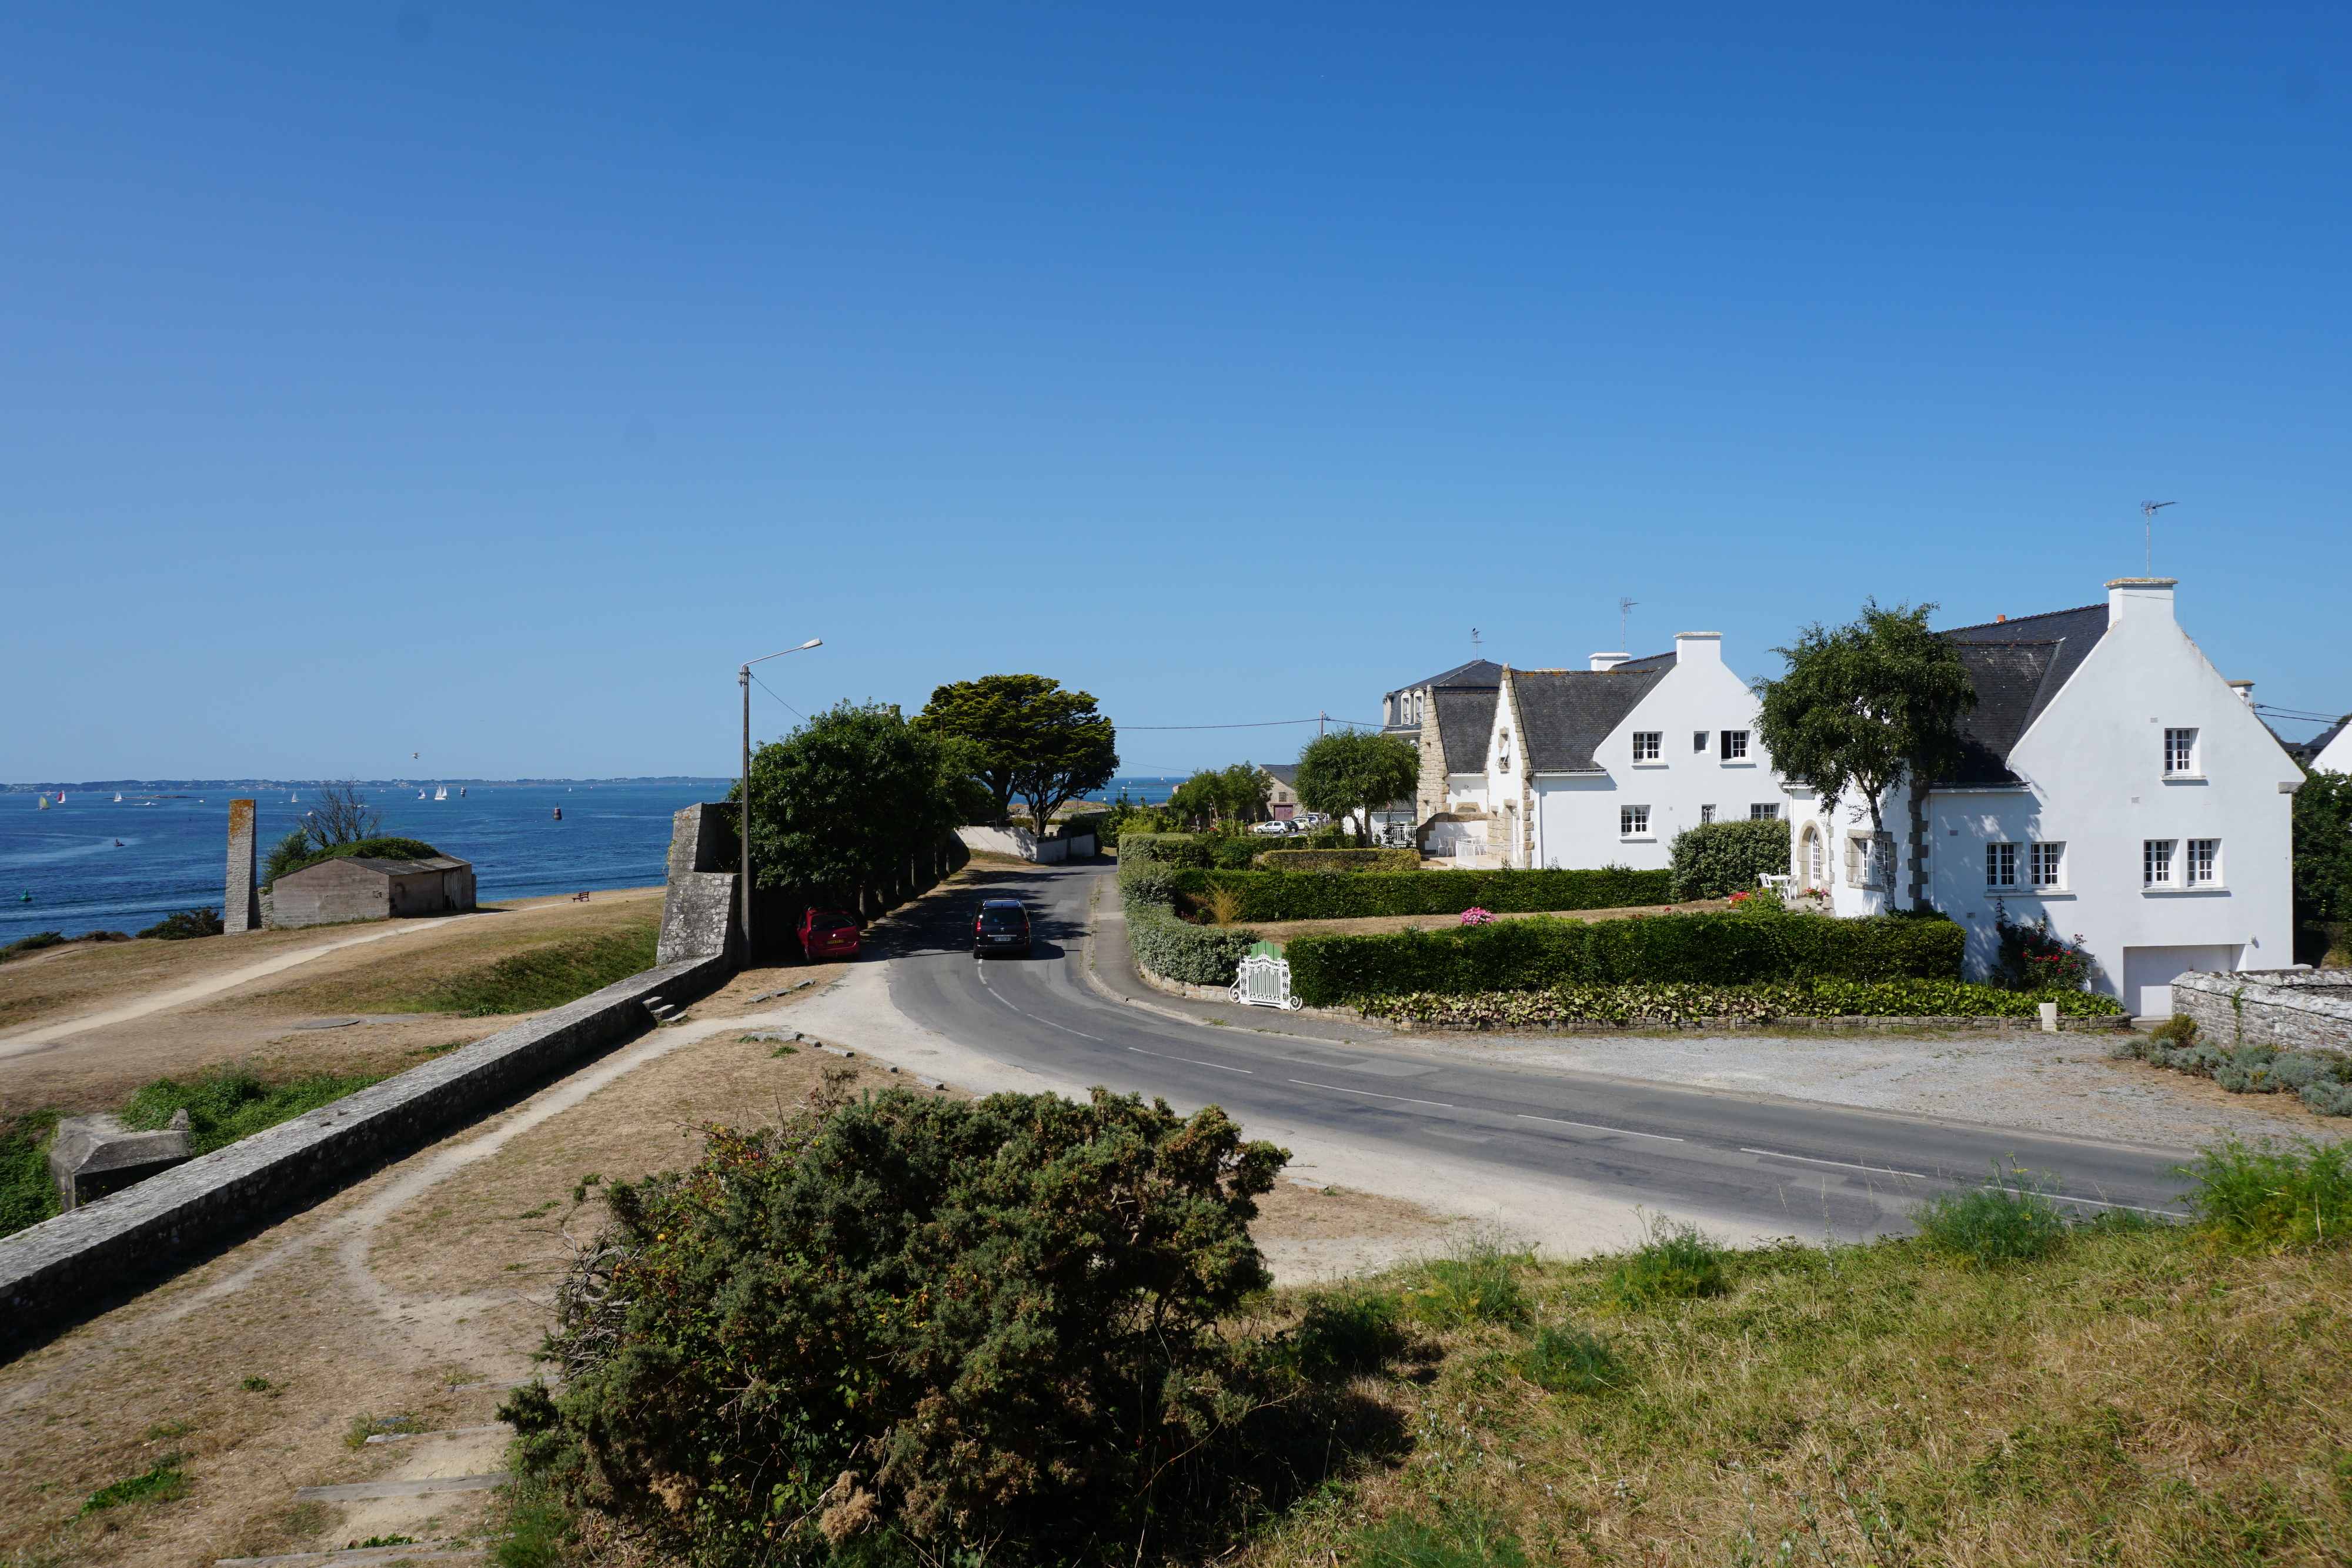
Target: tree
2323,864
1035,740
842,804
1865,708
1352,770
1235,794
339,814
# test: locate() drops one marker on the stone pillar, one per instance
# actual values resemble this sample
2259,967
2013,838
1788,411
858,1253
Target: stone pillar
241,899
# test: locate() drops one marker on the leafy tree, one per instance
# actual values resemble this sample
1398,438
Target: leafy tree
1034,741
842,804
1352,770
1865,706
1217,795
2323,863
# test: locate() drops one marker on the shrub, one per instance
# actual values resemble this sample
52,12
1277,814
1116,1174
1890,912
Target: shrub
2273,1195
964,1323
1676,1261
1194,955
1339,859
1274,895
1566,1361
1345,1334
233,1103
1476,1282
181,924
2034,958
1680,1002
2008,1219
32,943
1169,848
384,848
1710,948
2321,1080
1715,858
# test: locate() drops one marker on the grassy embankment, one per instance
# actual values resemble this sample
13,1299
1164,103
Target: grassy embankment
2007,1389
232,1102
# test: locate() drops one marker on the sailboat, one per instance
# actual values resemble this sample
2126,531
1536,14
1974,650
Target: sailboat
45,802
461,791
420,794
118,797
442,793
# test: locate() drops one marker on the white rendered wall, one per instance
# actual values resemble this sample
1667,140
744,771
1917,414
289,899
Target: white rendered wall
2336,757
1576,816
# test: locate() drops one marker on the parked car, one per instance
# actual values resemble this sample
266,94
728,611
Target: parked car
828,933
1272,828
1002,926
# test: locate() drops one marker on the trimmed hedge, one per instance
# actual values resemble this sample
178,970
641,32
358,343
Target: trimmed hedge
1169,848
1196,955
1771,999
1711,949
1340,860
1283,896
1715,858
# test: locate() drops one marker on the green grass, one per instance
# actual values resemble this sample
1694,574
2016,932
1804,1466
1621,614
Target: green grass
231,1102
32,943
1569,1360
542,978
2008,1219
2275,1195
1676,1263
161,1484
27,1196
1477,1282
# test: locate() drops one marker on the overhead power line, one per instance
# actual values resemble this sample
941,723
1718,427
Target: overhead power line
1262,724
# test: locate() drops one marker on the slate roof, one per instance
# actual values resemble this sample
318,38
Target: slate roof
1477,673
1565,714
1466,722
2308,752
2017,666
391,867
1283,773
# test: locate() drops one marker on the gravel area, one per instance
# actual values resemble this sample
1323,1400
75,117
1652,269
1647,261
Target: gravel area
2054,1083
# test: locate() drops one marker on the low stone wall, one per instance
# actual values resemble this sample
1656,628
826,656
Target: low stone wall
50,1269
2294,1010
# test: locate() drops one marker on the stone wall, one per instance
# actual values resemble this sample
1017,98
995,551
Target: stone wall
241,895
701,917
56,1268
2294,1010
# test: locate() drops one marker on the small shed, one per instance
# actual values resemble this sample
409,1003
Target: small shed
361,887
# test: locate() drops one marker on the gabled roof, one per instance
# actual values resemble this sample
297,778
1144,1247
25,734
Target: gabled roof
1283,773
1484,672
1466,722
2308,752
2017,666
1565,715
390,867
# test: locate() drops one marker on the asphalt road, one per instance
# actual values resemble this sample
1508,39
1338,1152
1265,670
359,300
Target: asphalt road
1785,1166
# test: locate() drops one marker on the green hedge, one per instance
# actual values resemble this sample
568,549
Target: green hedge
1715,858
1171,849
1281,895
1340,860
1196,955
1771,1000
1713,949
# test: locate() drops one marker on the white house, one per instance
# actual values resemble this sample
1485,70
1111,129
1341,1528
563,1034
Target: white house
1604,765
2330,752
2112,781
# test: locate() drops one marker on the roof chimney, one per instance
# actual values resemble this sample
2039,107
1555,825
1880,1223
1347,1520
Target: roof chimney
1610,661
2245,689
2140,596
1690,647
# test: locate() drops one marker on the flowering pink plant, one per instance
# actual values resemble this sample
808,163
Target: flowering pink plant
1474,916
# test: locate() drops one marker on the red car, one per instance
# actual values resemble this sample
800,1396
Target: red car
828,933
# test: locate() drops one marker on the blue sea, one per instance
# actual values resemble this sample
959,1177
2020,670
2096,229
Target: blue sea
92,864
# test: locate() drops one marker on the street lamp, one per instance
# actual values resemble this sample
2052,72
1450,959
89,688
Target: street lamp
743,804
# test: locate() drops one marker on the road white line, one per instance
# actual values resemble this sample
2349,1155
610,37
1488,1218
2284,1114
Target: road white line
1406,1098
1032,1017
1842,1165
1596,1127
1189,1062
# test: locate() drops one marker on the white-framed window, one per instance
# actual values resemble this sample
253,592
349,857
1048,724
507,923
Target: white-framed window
1706,813
1698,741
1646,745
1735,745
1632,821
1866,859
2046,865
2001,865
2156,862
1812,858
1764,811
2181,751
2204,867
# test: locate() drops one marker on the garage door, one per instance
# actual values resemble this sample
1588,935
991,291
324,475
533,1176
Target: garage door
2148,972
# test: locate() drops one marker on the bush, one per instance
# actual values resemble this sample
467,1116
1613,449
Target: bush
232,1104
1678,1002
1675,1263
1568,1361
1168,849
2009,1220
1274,895
1339,859
181,924
384,848
2273,1195
2321,1080
1344,1335
1194,955
2034,958
1478,1282
1716,949
32,943
978,1324
1717,859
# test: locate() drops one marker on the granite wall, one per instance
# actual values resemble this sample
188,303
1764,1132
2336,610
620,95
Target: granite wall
2294,1010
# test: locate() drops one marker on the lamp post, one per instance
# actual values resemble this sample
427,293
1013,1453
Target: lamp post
743,804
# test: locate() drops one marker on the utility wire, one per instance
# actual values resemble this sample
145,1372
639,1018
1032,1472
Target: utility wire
2297,713
787,706
1263,724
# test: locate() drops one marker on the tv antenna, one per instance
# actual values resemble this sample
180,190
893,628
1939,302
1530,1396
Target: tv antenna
2148,511
1624,613
1474,639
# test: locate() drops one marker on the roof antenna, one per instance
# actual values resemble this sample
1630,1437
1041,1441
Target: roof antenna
1473,640
2148,511
1624,613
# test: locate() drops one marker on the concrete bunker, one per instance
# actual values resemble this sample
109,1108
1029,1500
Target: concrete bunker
362,887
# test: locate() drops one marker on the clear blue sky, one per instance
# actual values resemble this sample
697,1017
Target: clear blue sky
488,381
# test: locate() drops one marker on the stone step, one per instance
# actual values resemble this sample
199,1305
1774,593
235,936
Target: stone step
450,1432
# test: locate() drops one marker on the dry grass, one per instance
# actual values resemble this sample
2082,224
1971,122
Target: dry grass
395,977
2135,1398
